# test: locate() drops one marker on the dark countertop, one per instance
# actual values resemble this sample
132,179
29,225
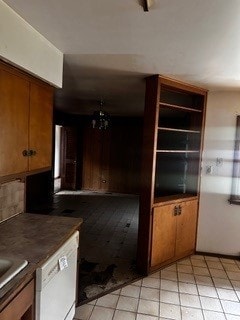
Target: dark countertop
33,237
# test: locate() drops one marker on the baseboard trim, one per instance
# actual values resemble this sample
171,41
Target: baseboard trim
218,255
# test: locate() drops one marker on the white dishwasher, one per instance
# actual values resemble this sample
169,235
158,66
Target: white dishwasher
56,283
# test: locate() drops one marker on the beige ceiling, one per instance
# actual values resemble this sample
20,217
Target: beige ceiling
111,45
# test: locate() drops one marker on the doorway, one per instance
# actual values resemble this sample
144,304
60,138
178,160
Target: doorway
57,159
69,158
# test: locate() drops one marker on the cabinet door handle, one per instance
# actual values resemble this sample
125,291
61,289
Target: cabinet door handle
175,211
179,210
25,153
32,152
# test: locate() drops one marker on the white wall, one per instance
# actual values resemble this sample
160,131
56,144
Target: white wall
219,221
23,46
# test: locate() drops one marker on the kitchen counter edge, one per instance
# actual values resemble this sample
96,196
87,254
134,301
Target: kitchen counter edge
32,240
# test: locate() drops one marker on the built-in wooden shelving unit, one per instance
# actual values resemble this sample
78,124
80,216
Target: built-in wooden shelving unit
172,145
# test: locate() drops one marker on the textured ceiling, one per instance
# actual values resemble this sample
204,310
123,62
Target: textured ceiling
110,46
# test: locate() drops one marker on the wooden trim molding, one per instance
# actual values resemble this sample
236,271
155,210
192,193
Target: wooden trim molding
22,176
218,255
23,74
235,194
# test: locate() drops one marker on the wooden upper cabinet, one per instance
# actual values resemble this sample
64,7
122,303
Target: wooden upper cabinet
25,122
14,111
40,126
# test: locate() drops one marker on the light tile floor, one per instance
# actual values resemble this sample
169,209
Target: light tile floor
196,288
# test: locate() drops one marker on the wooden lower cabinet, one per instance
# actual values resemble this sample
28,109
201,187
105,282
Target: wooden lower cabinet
163,234
186,228
22,305
173,231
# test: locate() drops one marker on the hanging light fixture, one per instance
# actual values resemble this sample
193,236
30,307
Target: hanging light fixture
100,118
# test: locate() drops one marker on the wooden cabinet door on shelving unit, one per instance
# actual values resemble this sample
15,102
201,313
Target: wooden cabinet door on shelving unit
172,144
26,106
186,228
173,231
163,234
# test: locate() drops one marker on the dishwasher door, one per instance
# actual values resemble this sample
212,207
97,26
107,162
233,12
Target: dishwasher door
56,283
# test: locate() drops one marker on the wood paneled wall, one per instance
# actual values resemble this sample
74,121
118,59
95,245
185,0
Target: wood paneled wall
95,159
108,160
125,156
111,158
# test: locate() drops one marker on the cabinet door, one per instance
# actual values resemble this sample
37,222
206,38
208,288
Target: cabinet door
163,234
14,110
40,126
186,228
22,306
